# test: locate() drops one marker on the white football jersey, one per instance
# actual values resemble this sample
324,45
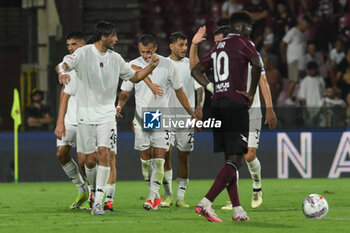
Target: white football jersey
255,109
189,84
99,77
71,89
164,75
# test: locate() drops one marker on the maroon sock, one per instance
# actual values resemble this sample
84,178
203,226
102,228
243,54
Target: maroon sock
232,190
224,177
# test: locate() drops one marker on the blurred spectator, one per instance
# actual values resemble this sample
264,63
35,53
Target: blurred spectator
295,42
259,12
343,76
332,109
273,77
312,55
310,94
229,7
337,56
282,21
328,12
38,117
267,41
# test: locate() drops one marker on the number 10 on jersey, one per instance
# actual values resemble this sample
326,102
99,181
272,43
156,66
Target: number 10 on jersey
220,73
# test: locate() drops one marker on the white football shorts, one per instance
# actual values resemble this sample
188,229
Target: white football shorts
96,135
70,138
183,140
145,139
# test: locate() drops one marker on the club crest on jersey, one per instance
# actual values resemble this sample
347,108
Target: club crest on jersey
101,64
152,119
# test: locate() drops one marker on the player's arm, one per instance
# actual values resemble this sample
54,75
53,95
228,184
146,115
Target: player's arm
270,117
198,73
61,70
60,127
200,102
256,73
155,88
142,74
197,38
123,98
283,47
181,96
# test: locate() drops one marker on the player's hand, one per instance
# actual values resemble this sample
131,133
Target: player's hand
199,113
64,78
132,127
270,118
247,96
199,36
154,59
118,111
60,130
156,89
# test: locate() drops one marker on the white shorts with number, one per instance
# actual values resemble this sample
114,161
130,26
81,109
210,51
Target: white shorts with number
183,140
145,139
254,132
91,136
70,138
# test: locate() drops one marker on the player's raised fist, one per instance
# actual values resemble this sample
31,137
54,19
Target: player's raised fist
154,59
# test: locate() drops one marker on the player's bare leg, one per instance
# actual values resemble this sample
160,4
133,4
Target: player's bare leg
157,175
168,178
110,188
255,172
72,171
182,179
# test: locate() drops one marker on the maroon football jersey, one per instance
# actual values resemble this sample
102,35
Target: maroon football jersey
229,60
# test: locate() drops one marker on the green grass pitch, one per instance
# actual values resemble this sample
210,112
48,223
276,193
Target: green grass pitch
44,207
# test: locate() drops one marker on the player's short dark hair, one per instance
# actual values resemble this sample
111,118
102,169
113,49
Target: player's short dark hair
311,65
103,28
241,17
77,35
146,39
224,30
175,36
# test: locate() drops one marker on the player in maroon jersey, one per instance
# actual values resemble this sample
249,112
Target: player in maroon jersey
229,60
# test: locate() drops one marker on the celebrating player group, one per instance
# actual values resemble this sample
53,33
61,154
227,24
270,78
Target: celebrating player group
87,113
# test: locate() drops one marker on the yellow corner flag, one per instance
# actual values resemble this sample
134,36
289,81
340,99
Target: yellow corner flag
16,115
16,109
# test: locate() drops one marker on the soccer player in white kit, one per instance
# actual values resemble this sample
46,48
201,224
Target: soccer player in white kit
152,144
255,116
99,68
74,40
183,139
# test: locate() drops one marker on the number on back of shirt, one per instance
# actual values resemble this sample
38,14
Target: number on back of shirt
220,66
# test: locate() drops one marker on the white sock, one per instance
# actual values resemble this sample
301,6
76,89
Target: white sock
101,182
72,171
146,170
91,177
206,202
167,182
255,172
156,177
110,189
181,188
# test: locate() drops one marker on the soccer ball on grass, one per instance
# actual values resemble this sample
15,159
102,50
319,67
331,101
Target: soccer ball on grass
315,206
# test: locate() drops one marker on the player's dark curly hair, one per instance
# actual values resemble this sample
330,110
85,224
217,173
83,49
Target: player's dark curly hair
77,35
103,28
224,30
241,17
175,36
146,39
